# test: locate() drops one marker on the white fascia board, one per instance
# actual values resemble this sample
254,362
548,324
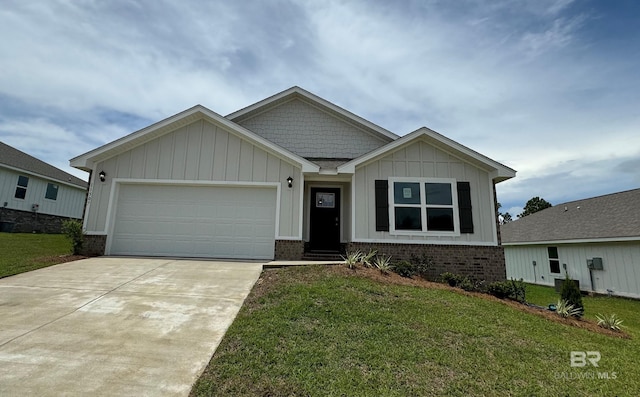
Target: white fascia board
87,160
575,241
500,171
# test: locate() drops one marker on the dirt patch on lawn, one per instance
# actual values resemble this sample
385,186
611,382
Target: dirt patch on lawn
393,278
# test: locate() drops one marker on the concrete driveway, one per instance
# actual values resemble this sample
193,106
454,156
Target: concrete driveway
116,326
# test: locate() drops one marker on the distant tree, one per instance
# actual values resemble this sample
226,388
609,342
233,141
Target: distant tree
534,205
503,217
506,217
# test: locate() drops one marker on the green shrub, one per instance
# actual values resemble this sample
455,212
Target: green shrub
500,289
421,264
508,289
467,284
452,279
571,293
405,269
72,229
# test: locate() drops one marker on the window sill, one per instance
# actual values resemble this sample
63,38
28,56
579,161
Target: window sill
423,234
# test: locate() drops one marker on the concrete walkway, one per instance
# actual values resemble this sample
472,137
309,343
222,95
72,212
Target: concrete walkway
116,326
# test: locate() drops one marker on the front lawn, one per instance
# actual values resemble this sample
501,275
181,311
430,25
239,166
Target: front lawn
324,331
23,252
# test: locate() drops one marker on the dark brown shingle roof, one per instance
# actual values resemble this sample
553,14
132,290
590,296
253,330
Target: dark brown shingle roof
14,158
611,216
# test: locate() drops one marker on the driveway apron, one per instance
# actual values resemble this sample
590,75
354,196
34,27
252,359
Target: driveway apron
116,326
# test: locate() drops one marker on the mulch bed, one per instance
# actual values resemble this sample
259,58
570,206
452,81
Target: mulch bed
394,278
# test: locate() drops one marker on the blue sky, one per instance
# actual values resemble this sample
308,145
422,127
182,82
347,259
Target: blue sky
550,88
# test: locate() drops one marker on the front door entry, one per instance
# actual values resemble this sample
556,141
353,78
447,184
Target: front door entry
324,223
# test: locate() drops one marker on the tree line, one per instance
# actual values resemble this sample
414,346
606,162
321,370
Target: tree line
532,206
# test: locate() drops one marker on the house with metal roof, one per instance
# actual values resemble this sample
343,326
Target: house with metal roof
36,196
595,240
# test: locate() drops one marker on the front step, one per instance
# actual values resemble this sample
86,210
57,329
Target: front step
322,256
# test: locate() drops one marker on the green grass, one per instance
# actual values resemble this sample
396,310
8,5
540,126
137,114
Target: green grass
320,332
626,309
21,253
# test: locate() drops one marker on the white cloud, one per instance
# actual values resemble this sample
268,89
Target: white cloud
521,82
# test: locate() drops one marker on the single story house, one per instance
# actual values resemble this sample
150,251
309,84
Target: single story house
595,240
36,196
291,175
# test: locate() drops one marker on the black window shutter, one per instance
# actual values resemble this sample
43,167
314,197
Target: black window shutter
382,205
464,207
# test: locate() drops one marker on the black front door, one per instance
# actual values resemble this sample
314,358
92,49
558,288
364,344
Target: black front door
324,223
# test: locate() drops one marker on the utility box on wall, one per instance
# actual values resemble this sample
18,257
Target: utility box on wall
595,264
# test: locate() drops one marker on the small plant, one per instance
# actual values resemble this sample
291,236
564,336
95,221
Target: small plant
405,269
72,229
467,284
366,259
508,289
565,309
451,278
499,289
383,263
571,293
611,322
421,264
352,259
518,290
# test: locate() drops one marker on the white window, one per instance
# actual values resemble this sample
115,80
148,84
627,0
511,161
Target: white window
52,191
21,189
423,206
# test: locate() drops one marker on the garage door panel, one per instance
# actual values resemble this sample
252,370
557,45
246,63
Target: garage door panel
198,221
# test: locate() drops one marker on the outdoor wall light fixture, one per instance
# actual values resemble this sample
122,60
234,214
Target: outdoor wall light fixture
102,175
290,181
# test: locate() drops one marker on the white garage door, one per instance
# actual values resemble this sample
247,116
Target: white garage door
195,221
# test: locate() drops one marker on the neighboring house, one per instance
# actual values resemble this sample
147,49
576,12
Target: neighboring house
595,240
291,175
36,196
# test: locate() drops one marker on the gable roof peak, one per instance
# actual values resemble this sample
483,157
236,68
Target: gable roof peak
297,92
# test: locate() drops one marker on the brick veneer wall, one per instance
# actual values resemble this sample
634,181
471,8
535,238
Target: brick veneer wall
18,221
478,262
94,245
289,250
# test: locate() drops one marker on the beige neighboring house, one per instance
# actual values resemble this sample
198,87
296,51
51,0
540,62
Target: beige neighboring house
36,196
292,176
595,240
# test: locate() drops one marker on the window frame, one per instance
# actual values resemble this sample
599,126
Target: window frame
57,190
423,207
20,187
556,259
